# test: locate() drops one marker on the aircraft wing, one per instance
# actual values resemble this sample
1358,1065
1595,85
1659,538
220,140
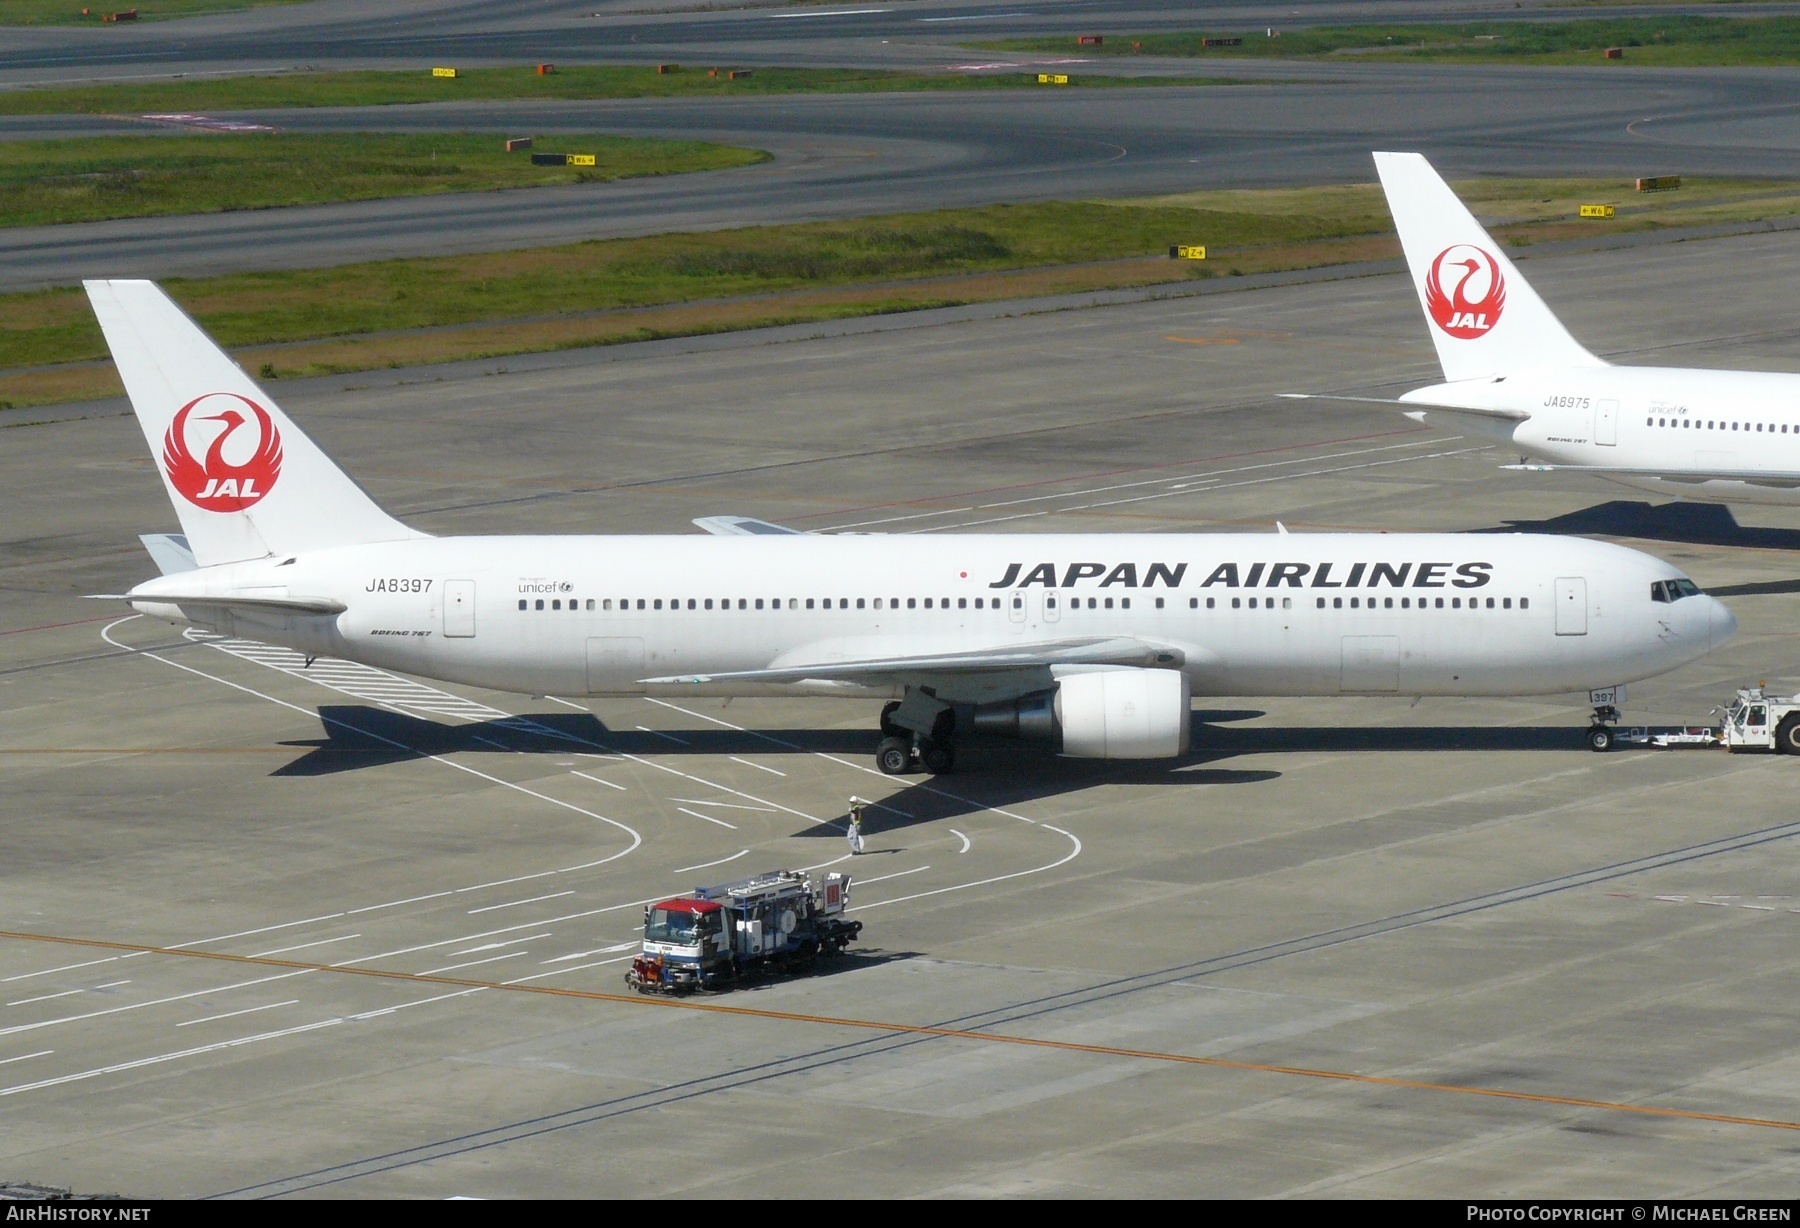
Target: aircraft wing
745,526
1774,478
1088,650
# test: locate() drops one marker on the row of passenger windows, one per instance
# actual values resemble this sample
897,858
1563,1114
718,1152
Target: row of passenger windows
1712,425
993,603
775,603
1367,603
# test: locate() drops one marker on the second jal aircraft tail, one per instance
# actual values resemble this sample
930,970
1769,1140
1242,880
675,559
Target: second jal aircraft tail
245,482
1484,318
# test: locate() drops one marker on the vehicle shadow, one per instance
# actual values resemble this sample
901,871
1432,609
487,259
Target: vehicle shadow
1696,524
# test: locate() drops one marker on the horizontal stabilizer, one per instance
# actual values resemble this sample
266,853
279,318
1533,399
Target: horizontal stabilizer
169,551
1322,396
290,605
1116,650
745,526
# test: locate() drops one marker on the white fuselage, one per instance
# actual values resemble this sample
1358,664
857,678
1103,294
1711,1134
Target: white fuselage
1240,614
1671,421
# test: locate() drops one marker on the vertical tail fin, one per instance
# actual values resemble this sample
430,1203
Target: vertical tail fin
1484,318
244,481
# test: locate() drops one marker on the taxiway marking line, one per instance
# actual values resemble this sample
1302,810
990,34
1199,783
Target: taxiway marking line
908,1029
721,861
696,814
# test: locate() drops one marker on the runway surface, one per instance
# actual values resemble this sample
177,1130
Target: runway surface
1347,947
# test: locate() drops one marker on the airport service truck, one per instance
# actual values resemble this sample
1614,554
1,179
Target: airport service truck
774,924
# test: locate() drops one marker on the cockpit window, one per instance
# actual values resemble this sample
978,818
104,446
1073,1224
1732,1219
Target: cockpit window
1673,590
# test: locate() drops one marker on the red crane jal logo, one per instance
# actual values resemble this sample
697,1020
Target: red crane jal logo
1476,292
238,468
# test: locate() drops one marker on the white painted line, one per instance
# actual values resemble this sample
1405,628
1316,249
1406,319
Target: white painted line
636,838
695,801
443,997
506,882
560,971
801,16
267,929
973,17
25,1057
660,734
495,946
323,942
759,767
112,984
983,882
417,899
249,1010
1757,907
474,963
963,838
834,861
864,882
160,1058
721,861
536,899
67,993
88,963
180,997
707,817
609,784
618,946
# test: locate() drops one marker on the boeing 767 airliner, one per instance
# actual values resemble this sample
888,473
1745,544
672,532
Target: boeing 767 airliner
1089,643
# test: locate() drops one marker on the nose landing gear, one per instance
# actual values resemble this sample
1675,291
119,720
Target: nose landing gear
1600,735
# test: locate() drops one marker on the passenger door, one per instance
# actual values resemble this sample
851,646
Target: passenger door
1606,423
1571,605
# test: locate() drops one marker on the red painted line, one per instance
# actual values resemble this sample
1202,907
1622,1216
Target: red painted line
52,626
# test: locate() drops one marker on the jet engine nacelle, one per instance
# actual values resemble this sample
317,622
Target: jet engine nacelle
1105,714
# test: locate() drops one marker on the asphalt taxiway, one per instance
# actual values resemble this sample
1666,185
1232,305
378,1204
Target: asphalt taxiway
271,930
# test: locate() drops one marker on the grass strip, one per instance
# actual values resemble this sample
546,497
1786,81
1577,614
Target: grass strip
1675,40
411,312
567,83
88,179
63,13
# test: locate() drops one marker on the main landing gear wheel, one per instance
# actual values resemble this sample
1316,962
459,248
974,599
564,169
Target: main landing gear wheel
1599,737
888,728
894,756
938,757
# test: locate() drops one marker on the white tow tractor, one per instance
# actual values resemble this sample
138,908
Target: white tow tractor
1758,721
1753,720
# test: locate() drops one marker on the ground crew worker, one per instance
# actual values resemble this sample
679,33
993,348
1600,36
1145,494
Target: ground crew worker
853,832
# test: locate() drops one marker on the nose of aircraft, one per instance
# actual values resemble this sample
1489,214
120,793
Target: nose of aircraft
1721,622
